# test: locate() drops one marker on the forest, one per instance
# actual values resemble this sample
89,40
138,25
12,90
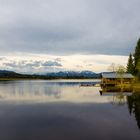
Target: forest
133,65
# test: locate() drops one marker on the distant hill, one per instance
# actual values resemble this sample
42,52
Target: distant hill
73,74
4,74
7,74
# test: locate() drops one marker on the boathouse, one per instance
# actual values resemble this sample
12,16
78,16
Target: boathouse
115,79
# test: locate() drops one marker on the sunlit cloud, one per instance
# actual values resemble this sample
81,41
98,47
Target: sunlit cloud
39,63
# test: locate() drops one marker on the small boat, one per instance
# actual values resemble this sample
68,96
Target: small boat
93,85
97,85
87,85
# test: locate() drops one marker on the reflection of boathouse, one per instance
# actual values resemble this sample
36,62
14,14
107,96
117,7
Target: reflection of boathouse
115,81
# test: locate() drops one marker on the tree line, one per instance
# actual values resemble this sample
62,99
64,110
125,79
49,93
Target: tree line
133,65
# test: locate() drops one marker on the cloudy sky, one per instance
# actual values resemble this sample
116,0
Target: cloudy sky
54,35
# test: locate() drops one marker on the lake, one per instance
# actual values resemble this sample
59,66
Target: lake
64,110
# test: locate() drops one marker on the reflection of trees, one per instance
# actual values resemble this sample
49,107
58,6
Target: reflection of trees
118,99
134,106
121,99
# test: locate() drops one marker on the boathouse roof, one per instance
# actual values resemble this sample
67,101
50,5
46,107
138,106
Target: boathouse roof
116,75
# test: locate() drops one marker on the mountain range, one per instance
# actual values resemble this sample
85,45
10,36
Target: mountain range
51,75
70,74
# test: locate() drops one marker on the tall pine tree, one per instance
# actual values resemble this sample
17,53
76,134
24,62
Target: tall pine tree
137,59
130,65
138,70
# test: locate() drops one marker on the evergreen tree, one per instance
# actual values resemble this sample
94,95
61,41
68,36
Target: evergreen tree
138,70
137,57
130,65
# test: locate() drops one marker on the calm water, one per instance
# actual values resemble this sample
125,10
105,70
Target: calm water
63,110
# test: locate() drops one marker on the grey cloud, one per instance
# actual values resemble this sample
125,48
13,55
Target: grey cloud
23,64
69,26
2,58
14,64
89,64
33,66
79,66
58,59
8,64
51,64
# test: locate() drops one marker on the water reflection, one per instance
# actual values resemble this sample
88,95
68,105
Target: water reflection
48,91
117,98
134,106
121,98
66,111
